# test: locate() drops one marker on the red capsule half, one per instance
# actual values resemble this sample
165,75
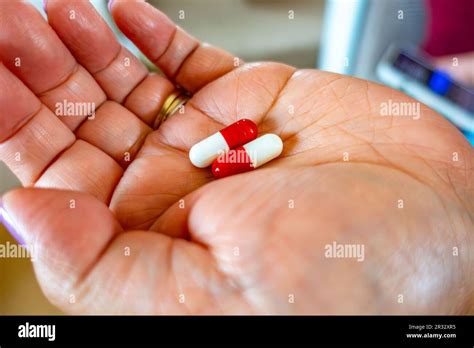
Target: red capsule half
235,161
206,151
248,157
239,133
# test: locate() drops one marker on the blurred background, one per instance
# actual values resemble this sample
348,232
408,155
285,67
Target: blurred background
423,47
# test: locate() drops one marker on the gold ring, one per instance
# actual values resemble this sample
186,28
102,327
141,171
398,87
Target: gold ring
174,101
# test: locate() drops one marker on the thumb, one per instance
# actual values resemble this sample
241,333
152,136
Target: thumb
78,251
64,231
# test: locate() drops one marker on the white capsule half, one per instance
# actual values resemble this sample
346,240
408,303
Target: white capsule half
264,149
206,151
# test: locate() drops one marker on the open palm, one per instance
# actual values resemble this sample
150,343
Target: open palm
151,237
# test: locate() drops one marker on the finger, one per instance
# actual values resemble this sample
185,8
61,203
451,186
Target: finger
93,44
181,57
43,61
66,232
31,136
80,91
147,99
41,150
83,167
34,53
17,104
81,253
116,131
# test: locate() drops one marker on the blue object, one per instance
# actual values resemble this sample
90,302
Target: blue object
439,82
470,137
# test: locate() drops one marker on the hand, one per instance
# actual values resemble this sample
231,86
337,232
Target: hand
156,235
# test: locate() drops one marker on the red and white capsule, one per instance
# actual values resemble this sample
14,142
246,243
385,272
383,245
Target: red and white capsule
248,157
206,151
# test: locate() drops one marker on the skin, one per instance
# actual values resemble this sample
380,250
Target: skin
156,235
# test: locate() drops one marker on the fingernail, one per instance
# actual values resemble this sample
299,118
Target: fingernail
7,221
109,5
45,2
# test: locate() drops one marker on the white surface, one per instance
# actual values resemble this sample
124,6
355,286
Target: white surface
340,30
264,149
206,151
